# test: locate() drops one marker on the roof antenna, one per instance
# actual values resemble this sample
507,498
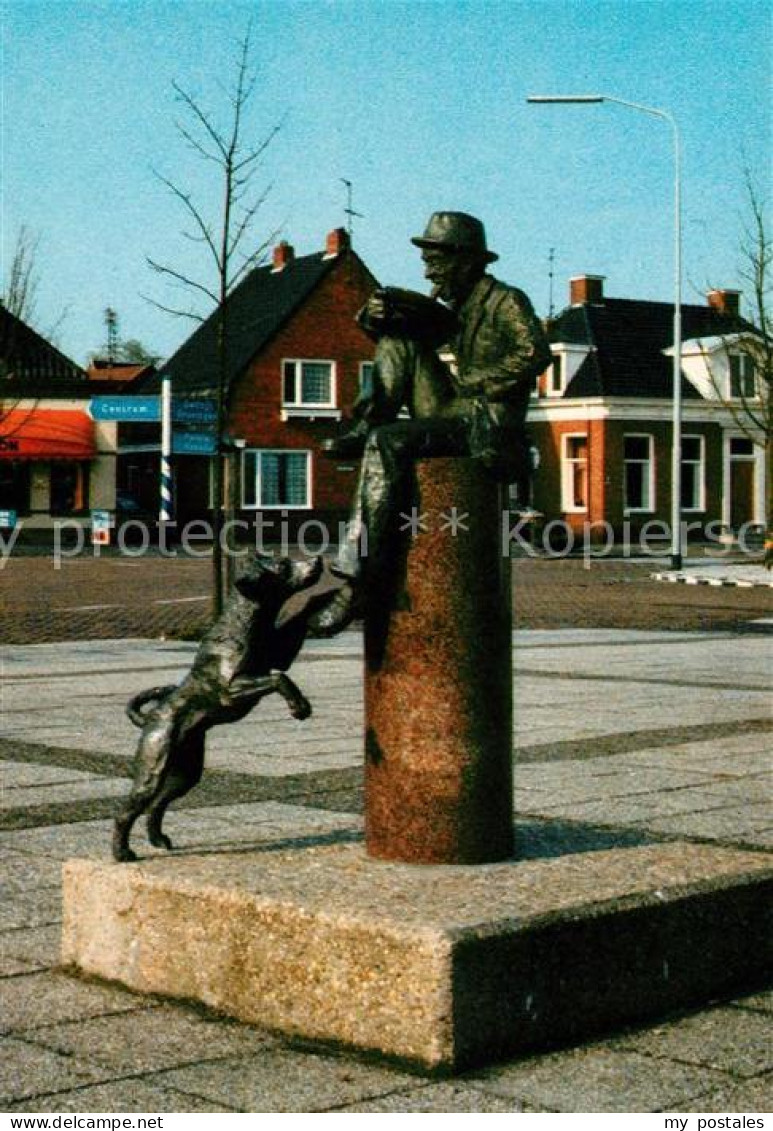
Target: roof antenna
551,261
111,322
349,210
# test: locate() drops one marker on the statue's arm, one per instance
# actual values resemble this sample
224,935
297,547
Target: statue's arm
516,352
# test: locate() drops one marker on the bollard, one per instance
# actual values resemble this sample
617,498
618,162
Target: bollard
438,681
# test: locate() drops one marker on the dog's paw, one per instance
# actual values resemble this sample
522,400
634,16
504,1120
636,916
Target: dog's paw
300,709
160,840
124,856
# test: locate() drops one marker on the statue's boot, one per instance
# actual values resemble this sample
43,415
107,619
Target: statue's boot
345,605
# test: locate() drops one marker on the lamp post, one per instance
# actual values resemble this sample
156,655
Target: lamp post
676,443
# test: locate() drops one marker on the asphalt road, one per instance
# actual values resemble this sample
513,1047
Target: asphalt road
116,596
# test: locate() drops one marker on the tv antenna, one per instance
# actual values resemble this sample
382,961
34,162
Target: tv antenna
349,210
551,262
111,322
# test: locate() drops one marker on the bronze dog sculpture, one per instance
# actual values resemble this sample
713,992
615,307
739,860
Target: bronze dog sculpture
242,658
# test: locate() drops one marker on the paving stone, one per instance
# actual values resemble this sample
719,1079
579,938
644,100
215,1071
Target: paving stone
72,791
34,908
754,1095
22,872
39,945
131,1096
11,967
731,1040
14,775
27,1070
763,1001
49,997
82,838
285,1080
599,1079
446,1097
152,1040
735,822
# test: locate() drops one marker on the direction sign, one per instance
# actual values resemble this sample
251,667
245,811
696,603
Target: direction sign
193,443
125,408
194,411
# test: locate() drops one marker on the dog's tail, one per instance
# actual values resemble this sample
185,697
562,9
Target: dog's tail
137,709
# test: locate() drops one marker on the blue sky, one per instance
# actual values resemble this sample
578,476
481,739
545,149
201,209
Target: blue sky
420,104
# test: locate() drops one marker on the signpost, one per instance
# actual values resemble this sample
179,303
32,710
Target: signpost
125,408
194,443
196,411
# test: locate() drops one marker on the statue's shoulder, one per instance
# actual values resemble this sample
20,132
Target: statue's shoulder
500,290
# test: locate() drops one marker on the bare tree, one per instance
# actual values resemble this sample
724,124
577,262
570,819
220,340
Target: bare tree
746,392
236,159
20,290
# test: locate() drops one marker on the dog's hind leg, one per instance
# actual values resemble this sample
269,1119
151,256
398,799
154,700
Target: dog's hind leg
150,767
177,782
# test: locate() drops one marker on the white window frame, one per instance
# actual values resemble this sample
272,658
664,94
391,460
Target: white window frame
745,362
311,409
553,387
260,506
701,465
568,466
650,478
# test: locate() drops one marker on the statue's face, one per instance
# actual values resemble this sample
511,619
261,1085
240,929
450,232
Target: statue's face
452,273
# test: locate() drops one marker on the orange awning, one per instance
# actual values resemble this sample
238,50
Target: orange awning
46,433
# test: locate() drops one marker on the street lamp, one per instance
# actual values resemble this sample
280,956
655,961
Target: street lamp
676,443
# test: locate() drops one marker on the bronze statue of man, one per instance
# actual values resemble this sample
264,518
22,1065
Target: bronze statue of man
468,399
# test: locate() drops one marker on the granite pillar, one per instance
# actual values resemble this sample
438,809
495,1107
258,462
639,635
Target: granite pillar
438,680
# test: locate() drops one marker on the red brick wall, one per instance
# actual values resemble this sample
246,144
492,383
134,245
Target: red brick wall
605,456
323,328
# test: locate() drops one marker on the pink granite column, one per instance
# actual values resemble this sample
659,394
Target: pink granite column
438,682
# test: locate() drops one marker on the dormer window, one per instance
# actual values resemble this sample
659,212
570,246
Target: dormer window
743,383
555,376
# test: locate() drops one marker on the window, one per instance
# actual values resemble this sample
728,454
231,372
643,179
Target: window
574,474
741,448
366,378
276,479
308,384
693,495
69,487
15,485
639,473
555,376
743,382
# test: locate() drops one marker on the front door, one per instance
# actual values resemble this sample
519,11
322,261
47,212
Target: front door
742,482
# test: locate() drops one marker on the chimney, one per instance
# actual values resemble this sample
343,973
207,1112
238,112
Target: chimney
724,301
283,254
586,288
336,242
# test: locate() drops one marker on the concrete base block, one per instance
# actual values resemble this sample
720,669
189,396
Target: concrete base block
443,966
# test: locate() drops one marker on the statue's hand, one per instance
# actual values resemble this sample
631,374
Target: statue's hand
376,307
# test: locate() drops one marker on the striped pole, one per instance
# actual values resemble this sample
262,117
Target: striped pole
165,481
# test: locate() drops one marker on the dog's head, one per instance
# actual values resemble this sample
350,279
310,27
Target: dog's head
267,579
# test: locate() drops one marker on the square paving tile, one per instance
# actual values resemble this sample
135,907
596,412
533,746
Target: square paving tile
27,1069
152,1039
49,997
731,1040
285,1080
599,1079
134,1096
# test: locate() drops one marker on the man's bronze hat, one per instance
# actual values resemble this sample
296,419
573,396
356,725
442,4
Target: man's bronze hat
456,231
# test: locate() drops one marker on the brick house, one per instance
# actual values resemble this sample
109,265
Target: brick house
601,416
297,360
55,461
